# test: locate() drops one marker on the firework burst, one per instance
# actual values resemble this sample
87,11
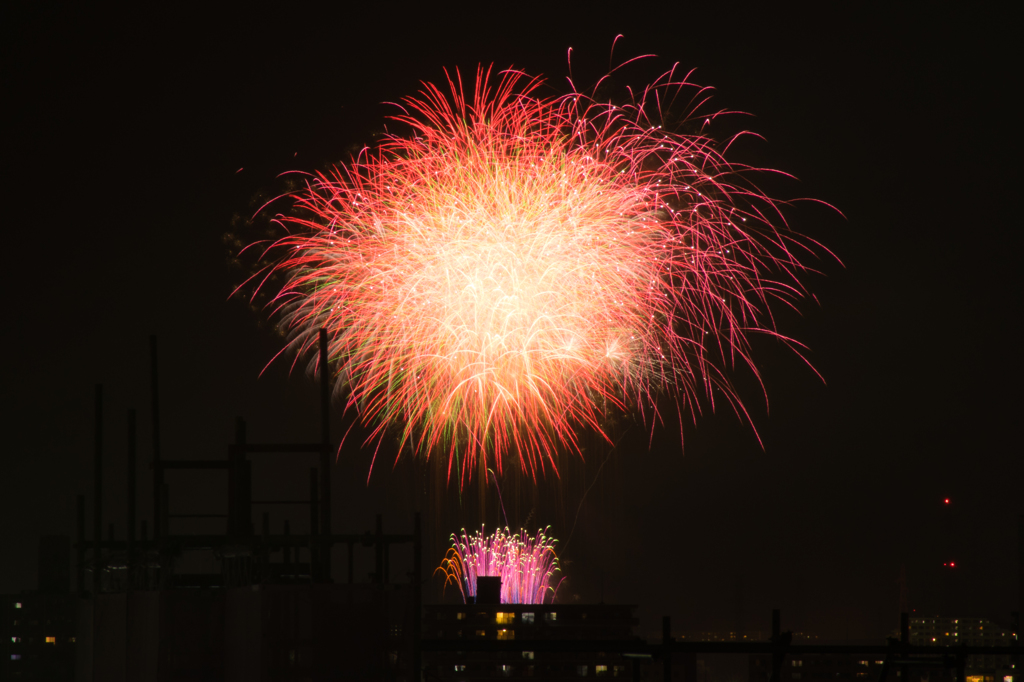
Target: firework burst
518,267
526,564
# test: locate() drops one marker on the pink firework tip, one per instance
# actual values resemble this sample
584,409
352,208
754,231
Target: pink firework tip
519,266
527,564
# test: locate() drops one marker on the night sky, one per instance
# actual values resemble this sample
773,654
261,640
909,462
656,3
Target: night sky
122,135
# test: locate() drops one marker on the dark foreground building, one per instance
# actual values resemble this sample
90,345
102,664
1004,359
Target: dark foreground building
570,623
38,629
252,634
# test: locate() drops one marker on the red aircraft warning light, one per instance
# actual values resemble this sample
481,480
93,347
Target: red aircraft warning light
946,500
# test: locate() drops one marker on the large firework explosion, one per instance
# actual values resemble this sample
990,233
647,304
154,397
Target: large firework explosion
526,564
516,267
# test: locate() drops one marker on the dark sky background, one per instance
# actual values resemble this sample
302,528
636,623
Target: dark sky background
122,135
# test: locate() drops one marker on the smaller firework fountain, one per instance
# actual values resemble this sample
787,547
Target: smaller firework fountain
527,564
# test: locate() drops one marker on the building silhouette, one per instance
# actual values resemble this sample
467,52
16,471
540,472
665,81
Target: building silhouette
469,624
38,629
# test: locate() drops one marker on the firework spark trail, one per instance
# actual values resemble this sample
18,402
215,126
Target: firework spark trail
519,267
527,565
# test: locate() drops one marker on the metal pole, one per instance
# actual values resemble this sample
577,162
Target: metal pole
666,647
80,568
131,497
905,643
287,559
237,523
417,598
97,521
158,473
779,654
378,544
265,552
314,519
325,389
325,454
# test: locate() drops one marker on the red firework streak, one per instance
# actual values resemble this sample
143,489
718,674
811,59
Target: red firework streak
517,266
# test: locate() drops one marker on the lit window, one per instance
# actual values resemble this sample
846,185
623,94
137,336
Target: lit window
460,667
51,640
600,670
528,655
15,657
17,605
550,616
879,662
502,618
481,633
460,616
863,663
527,618
581,670
505,669
506,634
1007,678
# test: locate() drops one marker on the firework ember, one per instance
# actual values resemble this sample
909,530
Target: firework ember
526,564
517,267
